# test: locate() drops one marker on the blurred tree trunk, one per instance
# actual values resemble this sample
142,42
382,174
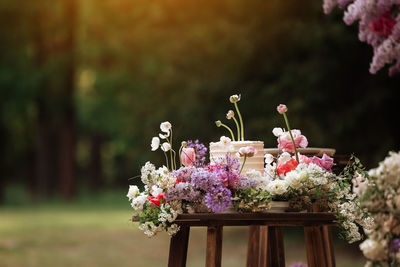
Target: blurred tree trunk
96,165
45,158
68,128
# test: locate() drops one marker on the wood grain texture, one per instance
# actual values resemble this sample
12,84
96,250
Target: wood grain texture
257,246
275,247
214,246
319,246
178,248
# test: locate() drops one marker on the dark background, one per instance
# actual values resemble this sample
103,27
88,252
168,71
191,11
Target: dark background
85,84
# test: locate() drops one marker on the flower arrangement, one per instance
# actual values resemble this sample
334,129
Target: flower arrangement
224,184
379,26
379,190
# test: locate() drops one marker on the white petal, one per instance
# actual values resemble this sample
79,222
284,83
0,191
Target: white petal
155,143
165,147
277,131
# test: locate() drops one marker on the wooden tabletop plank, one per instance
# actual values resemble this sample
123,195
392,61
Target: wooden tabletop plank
242,219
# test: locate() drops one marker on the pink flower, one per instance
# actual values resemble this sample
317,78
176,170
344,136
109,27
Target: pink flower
188,156
247,151
282,108
285,142
304,159
383,25
325,162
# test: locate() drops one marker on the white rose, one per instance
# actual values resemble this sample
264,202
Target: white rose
277,131
294,179
155,143
165,147
165,127
373,250
133,192
269,158
277,187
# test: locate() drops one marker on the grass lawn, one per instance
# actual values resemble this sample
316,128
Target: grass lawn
86,235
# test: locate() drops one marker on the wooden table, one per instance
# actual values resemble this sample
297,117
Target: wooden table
265,246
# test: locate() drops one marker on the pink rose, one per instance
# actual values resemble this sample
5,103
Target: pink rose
282,108
285,142
188,156
247,151
325,162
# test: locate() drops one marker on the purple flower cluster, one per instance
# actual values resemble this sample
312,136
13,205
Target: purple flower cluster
200,150
379,26
227,169
205,180
184,174
183,191
219,198
395,245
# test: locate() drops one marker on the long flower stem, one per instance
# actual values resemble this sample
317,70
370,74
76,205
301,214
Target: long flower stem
180,158
237,127
244,162
241,121
291,136
170,152
229,129
166,159
173,163
173,151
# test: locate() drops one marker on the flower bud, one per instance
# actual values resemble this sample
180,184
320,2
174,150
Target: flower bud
218,123
230,114
282,109
234,98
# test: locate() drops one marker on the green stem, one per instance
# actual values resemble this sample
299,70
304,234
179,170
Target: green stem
291,136
180,158
174,158
170,152
229,129
241,121
166,159
237,127
244,161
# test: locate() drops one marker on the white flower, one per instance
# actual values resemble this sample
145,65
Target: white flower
165,126
163,136
155,191
165,147
133,192
234,98
155,143
269,158
373,250
138,202
294,178
360,184
230,114
277,131
277,187
284,157
225,141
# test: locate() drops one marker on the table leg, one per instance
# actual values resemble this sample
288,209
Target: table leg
275,247
257,246
178,248
319,246
214,246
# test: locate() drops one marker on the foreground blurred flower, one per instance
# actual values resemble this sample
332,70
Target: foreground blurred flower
188,156
277,131
165,126
373,250
383,25
155,143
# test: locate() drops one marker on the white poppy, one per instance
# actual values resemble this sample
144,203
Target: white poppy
277,131
165,126
155,143
269,158
165,147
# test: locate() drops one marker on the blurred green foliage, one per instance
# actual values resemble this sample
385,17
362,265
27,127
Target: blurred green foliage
142,62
